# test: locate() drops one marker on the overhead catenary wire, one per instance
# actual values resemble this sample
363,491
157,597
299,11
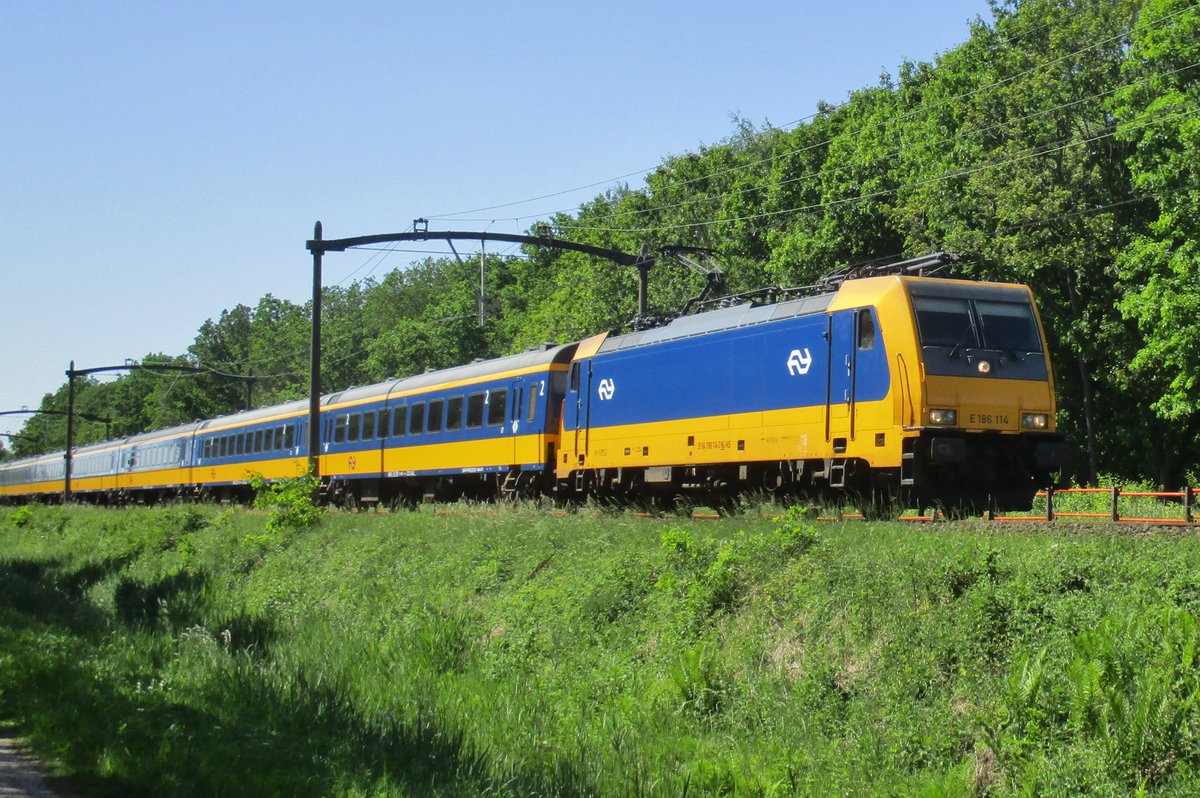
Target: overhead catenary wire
1005,230
1032,152
959,135
832,108
717,222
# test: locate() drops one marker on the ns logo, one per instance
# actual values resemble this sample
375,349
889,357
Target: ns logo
606,390
799,362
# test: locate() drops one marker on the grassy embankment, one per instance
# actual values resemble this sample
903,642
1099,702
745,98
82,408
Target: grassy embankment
515,652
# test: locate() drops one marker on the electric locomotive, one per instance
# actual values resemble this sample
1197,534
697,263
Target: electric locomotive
892,389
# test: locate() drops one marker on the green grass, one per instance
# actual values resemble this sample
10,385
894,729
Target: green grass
509,651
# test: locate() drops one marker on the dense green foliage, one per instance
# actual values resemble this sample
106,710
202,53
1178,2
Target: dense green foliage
1058,146
515,652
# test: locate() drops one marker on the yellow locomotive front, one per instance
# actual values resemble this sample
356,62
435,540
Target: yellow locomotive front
979,415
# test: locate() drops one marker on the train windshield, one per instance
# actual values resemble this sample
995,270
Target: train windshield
945,321
960,322
1008,325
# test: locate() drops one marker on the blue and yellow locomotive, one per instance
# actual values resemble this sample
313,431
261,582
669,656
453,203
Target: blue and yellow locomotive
889,389
896,388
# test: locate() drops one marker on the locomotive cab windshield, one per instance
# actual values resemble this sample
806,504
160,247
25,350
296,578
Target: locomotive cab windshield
978,330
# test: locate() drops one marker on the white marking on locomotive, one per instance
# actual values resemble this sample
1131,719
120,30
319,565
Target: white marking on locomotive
799,362
607,389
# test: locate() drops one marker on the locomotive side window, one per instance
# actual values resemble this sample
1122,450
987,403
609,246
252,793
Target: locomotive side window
497,407
1008,325
399,420
866,330
416,418
454,413
945,321
575,377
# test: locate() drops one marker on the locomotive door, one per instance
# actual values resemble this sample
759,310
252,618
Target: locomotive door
839,396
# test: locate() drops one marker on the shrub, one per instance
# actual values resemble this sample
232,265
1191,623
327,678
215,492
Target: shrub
290,502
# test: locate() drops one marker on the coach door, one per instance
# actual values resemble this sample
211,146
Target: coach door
517,396
579,393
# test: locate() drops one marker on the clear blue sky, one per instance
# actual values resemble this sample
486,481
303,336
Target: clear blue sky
162,162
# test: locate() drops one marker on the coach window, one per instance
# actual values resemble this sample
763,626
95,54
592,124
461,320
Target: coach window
220,447
416,418
237,444
258,441
278,438
866,330
339,429
533,402
355,424
475,411
454,413
497,407
435,416
368,428
385,419
248,443
399,420
289,436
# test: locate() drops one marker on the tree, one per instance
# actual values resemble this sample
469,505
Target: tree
1158,114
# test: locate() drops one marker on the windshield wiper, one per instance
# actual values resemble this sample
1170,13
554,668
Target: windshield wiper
961,340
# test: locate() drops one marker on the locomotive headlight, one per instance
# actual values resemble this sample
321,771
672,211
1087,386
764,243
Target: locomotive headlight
1034,421
943,417
984,367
